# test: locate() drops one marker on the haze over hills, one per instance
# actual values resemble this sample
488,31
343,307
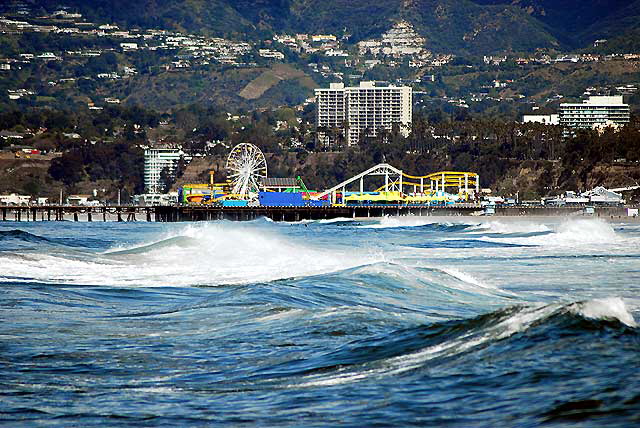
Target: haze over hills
456,26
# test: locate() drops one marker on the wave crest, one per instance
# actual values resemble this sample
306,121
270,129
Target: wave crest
200,254
411,349
612,309
21,235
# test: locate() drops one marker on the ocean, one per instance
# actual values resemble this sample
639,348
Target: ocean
398,321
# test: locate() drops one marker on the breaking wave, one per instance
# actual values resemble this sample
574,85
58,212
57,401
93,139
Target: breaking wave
567,233
504,227
207,254
426,347
415,222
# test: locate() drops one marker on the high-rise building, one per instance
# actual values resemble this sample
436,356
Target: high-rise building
364,108
157,159
331,116
594,113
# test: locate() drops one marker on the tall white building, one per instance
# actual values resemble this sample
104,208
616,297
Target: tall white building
155,160
365,107
595,112
331,112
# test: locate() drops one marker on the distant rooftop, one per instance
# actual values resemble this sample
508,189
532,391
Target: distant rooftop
279,182
616,100
363,84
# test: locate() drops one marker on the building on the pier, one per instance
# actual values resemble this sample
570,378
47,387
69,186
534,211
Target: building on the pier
81,200
153,199
595,112
157,160
363,109
14,199
604,196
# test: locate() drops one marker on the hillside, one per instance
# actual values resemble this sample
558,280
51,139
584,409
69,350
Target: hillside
166,91
270,78
621,29
26,175
462,26
457,26
578,23
207,17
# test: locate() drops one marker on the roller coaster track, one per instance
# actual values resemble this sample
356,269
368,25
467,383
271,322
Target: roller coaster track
463,181
394,181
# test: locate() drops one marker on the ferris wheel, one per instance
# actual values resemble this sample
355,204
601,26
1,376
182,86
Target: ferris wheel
246,166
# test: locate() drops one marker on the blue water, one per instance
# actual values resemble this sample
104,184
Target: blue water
394,321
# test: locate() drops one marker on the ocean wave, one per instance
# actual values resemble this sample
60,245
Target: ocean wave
436,224
613,309
415,348
21,235
567,233
199,254
336,220
440,284
19,238
578,231
468,243
510,227
396,292
174,241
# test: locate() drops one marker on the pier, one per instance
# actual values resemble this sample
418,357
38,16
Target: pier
119,213
178,213
175,213
204,213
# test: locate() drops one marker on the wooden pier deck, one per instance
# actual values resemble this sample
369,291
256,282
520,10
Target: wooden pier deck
126,213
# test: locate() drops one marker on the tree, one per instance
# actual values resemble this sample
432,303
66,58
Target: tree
166,180
69,168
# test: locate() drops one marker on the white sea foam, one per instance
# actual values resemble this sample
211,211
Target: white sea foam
605,309
585,231
403,221
278,316
568,233
334,220
202,254
467,278
510,227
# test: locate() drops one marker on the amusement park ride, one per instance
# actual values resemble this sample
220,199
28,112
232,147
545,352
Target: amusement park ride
249,194
249,185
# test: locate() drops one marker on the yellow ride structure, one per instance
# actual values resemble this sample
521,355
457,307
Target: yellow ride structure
205,193
398,187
